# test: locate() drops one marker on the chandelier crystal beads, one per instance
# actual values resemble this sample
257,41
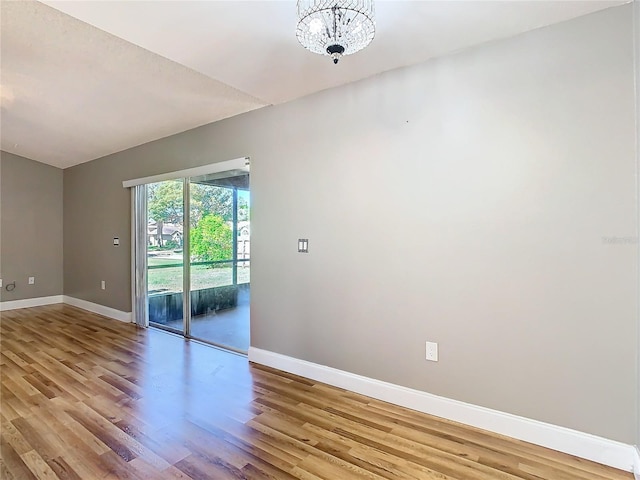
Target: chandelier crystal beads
335,27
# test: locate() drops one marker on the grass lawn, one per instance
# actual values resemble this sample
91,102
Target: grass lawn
153,261
202,276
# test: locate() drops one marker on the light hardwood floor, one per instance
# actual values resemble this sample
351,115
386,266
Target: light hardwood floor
85,397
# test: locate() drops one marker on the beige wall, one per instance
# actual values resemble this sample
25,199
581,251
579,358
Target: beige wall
31,228
464,201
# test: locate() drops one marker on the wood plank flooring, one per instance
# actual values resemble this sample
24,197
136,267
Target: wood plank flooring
85,397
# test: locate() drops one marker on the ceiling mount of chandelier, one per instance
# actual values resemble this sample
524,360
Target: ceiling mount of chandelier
335,28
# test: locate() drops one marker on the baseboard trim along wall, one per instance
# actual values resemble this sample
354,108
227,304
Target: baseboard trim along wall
573,442
30,302
76,302
636,468
97,308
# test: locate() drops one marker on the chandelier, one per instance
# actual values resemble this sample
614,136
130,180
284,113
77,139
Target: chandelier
335,27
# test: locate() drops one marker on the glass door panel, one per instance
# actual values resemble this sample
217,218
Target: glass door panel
165,214
219,259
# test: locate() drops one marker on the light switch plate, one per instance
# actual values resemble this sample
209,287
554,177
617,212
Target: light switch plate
32,280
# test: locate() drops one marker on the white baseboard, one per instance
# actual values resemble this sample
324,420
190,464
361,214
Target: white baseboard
30,302
573,442
636,469
76,302
97,308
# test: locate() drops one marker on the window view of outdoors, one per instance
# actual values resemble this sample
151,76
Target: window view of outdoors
218,255
211,236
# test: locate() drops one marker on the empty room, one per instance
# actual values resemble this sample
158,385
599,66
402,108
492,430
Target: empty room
356,239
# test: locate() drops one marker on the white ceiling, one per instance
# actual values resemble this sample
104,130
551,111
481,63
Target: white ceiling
83,79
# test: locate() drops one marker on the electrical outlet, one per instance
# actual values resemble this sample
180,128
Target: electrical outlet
32,280
432,351
103,285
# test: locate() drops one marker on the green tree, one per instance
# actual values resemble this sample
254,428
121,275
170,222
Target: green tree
211,239
243,207
164,201
210,199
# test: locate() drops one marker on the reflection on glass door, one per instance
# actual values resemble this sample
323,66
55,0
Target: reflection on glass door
165,214
219,246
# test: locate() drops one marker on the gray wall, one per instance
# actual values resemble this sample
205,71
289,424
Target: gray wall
475,200
31,227
97,209
636,19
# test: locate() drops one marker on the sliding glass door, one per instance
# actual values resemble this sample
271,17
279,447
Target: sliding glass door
165,253
219,222
196,257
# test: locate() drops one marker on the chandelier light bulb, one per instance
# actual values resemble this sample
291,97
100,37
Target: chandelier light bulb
315,26
335,27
